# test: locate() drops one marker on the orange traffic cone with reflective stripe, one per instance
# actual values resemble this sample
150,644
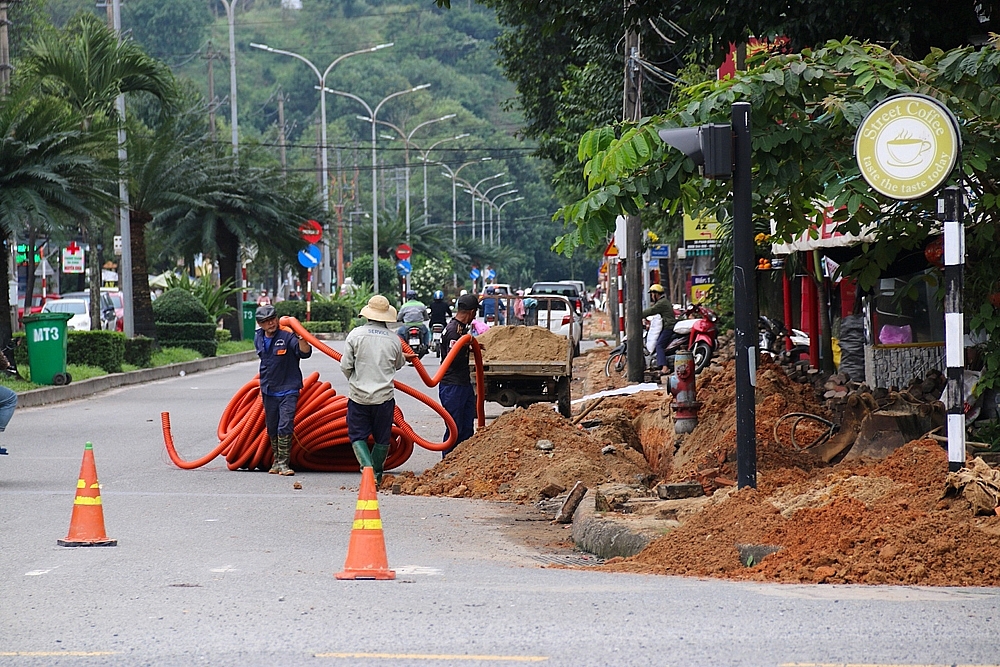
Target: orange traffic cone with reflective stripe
366,551
86,527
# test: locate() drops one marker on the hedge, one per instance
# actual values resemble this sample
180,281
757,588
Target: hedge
207,348
103,349
322,311
178,305
139,351
324,327
223,335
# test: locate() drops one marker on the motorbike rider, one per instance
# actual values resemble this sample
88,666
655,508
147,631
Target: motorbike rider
492,306
662,308
412,312
440,310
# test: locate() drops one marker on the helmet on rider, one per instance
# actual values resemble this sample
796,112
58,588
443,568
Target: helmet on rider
411,294
656,288
491,290
438,295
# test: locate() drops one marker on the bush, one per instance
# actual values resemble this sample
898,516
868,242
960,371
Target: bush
289,308
332,326
103,349
334,310
183,321
223,335
139,351
361,271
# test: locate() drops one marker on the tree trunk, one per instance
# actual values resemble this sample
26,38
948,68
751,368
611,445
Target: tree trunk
93,235
229,254
142,306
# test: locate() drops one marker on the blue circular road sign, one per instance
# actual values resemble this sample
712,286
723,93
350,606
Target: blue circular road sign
310,256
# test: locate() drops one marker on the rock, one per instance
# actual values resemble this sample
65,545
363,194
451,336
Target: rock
396,489
297,485
680,490
458,491
565,514
545,445
608,449
551,490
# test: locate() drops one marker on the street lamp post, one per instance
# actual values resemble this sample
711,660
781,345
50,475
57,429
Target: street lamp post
423,158
453,175
475,189
230,6
499,211
482,209
373,115
407,142
324,160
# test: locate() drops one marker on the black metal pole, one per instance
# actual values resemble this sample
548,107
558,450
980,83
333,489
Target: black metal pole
954,324
744,301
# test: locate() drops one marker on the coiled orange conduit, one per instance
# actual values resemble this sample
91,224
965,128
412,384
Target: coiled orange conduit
321,420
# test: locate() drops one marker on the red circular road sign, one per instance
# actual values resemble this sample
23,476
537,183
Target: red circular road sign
403,251
311,231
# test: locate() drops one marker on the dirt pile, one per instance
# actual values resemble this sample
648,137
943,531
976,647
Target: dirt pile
503,461
709,453
872,522
523,344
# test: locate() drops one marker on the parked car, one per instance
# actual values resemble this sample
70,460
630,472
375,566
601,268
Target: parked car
36,304
563,315
76,307
582,289
112,308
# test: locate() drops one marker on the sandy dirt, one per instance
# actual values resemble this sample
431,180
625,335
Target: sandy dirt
523,344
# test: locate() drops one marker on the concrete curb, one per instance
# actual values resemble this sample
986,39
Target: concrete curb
606,537
74,390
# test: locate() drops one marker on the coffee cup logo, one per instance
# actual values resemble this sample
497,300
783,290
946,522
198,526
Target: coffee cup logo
907,146
905,150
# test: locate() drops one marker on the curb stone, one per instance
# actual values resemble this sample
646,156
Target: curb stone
607,537
46,395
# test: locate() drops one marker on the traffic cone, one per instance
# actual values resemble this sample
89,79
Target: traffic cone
86,527
366,551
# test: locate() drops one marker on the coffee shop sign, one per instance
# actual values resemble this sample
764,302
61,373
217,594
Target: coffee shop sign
907,146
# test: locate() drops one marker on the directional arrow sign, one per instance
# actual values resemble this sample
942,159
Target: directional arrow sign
490,273
403,267
474,274
309,256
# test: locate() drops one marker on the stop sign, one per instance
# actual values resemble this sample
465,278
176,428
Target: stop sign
311,231
403,251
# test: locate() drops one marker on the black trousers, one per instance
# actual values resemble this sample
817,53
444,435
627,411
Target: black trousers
370,420
279,414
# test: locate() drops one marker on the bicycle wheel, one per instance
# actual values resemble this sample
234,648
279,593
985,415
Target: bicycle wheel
617,363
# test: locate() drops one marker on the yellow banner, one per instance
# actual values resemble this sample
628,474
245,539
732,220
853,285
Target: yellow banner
700,231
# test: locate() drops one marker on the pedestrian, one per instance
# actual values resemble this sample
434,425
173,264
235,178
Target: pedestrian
372,355
455,390
280,381
8,399
263,299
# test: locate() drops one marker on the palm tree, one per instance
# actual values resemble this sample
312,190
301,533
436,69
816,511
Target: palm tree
87,66
47,169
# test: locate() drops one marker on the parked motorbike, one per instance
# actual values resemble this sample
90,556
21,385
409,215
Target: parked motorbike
617,362
696,331
437,331
773,336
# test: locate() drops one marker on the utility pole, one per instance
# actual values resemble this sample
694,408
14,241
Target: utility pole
632,111
4,50
281,131
210,55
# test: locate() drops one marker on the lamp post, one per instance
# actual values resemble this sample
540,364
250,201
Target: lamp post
482,210
453,175
499,211
373,115
493,205
407,142
423,158
324,161
475,189
230,6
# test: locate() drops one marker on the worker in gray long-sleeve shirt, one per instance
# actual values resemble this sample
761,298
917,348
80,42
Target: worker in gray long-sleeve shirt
372,355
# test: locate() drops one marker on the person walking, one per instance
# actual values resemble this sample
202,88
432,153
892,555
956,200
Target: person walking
372,355
455,391
280,381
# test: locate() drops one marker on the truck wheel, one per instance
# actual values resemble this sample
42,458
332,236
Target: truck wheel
563,398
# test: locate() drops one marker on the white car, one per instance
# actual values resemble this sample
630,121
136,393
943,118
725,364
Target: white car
77,307
562,312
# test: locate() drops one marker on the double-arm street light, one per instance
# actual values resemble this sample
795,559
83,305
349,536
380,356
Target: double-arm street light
453,175
407,142
484,199
373,116
324,160
230,6
499,211
423,158
475,190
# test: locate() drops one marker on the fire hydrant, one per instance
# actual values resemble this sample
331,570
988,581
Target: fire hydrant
682,385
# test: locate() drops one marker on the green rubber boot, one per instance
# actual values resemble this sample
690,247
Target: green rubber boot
379,453
275,469
284,450
362,453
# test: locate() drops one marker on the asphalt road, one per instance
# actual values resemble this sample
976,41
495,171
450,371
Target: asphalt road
235,568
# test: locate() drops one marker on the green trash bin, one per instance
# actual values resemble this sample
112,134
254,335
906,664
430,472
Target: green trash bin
249,321
46,336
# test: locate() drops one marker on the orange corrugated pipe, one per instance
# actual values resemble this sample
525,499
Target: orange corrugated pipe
320,440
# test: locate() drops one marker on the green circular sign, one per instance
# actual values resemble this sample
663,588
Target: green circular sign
907,146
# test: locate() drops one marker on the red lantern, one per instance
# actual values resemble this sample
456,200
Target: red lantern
934,252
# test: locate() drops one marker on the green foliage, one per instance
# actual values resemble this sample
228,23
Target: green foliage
105,349
168,30
338,310
212,297
223,336
174,355
324,326
361,271
180,305
234,347
139,352
431,276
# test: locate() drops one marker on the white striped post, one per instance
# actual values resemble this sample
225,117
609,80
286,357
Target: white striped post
954,323
621,297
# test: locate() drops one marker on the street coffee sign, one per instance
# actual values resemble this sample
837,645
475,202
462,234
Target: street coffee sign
907,146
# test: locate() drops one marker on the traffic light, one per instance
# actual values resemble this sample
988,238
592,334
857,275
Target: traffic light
709,146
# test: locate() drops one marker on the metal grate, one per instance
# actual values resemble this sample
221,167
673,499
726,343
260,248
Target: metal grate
583,560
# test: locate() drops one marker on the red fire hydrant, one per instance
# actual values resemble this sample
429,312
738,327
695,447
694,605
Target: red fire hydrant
682,385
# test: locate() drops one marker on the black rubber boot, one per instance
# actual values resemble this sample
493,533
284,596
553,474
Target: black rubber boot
362,453
275,468
284,451
379,453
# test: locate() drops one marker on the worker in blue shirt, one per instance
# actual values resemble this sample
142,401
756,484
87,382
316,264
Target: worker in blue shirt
280,381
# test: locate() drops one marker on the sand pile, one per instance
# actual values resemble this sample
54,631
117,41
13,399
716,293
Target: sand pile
523,344
502,461
874,522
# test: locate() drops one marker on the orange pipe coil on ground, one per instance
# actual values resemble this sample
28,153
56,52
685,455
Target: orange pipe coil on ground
320,440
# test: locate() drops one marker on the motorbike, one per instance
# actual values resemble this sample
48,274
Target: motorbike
437,331
617,362
772,337
695,331
413,334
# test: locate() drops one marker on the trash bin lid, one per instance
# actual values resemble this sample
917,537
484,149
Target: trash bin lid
47,317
